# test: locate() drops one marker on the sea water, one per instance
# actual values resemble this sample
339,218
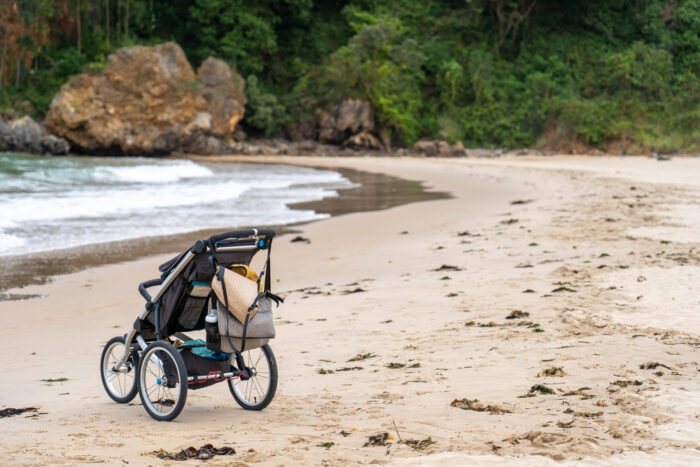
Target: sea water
48,203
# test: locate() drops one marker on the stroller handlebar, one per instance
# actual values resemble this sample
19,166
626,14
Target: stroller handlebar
243,234
144,285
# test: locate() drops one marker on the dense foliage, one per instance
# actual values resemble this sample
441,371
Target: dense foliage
610,74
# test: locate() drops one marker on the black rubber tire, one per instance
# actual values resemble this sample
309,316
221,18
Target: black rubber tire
272,363
181,378
133,361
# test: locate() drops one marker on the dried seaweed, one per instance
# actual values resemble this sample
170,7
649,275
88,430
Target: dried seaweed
362,356
11,412
205,452
419,445
447,267
563,289
323,371
380,439
580,392
541,389
566,424
528,291
653,366
551,371
623,383
395,365
509,221
300,239
327,445
490,324
521,201
349,368
466,404
518,314
351,291
54,380
345,433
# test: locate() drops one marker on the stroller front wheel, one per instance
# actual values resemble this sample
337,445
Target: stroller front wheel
120,386
162,381
256,392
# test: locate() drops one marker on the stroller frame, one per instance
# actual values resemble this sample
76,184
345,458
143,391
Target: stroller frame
134,343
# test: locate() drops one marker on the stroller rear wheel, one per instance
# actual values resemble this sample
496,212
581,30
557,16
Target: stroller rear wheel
162,381
120,386
256,392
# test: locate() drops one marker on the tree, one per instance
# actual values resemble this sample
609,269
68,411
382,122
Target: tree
77,17
107,25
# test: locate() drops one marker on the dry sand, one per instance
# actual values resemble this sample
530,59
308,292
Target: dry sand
608,247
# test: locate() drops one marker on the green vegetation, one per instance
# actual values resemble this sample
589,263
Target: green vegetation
545,73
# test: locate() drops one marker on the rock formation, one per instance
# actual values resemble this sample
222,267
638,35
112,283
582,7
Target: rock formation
350,123
25,135
148,101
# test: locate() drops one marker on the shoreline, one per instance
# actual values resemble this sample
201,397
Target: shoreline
374,192
558,241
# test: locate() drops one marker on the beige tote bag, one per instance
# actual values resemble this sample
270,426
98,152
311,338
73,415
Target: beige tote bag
240,292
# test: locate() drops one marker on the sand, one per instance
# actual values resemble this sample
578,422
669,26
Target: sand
591,251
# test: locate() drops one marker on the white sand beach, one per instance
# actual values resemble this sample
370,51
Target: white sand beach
596,260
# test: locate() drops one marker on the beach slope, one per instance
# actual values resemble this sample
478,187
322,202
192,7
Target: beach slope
546,309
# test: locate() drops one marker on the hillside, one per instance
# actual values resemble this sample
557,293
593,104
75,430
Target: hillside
565,75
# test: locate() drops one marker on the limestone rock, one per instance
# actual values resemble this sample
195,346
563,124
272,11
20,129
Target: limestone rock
432,148
225,95
344,120
25,135
363,140
147,101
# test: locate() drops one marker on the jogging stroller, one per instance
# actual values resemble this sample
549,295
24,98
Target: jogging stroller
161,363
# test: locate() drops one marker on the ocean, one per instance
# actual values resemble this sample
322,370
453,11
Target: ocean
48,203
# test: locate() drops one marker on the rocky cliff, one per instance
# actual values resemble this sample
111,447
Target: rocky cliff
149,101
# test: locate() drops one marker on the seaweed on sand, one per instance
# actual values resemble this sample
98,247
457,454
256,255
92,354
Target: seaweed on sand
349,368
362,356
580,392
517,314
541,389
551,371
563,289
653,366
467,404
205,452
11,412
623,383
419,445
447,267
380,439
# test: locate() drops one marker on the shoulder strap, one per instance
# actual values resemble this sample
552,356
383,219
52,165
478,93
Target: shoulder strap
268,272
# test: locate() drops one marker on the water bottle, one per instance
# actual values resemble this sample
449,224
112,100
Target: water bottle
211,326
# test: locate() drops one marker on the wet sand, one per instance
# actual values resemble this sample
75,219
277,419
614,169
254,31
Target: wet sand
544,313
373,191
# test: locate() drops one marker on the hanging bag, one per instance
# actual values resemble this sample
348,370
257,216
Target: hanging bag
241,292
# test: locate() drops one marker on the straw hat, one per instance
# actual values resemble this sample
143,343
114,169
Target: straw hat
240,291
